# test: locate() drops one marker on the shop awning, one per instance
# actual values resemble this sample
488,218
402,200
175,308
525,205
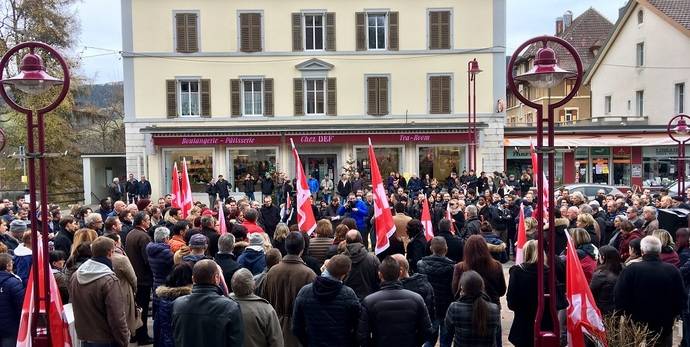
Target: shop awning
596,140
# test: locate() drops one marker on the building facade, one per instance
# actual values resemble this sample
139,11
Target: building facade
228,85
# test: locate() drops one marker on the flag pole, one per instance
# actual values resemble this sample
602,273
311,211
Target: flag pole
292,143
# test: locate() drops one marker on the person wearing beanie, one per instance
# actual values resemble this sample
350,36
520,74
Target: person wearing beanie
17,229
198,244
254,258
143,204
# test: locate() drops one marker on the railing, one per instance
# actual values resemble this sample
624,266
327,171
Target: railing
59,198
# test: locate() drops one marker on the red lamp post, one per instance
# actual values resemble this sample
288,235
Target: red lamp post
33,79
545,74
678,131
472,71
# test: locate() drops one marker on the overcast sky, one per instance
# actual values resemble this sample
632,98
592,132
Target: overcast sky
101,29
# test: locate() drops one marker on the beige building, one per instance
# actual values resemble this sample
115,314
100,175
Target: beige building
227,84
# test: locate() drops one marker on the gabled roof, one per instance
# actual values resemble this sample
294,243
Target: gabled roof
676,10
314,65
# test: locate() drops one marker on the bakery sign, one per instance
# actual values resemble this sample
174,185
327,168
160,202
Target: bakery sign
311,139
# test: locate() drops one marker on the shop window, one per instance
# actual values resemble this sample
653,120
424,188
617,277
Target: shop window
659,165
439,161
621,166
255,162
581,165
199,167
600,164
389,160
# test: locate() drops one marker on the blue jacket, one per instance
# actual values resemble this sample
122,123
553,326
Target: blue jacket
160,261
11,299
22,263
359,216
313,185
252,260
162,325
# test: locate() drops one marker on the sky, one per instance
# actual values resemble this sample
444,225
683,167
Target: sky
101,37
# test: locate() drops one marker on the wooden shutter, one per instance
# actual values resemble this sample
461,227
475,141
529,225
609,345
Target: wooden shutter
361,31
235,98
296,32
445,94
205,89
250,32
331,97
434,37
439,95
268,97
561,116
383,96
171,98
439,30
187,38
255,30
298,86
330,31
192,35
393,35
372,97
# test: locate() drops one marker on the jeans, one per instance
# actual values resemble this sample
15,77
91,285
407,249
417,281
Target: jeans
365,239
327,197
250,196
211,200
685,342
439,327
142,299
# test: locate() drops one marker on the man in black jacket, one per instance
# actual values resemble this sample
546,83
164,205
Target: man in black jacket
417,283
132,188
326,312
344,187
135,248
439,270
454,243
63,240
206,317
226,259
223,188
208,224
144,188
471,223
393,316
270,215
362,278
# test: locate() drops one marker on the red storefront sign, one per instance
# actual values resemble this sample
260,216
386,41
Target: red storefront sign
312,139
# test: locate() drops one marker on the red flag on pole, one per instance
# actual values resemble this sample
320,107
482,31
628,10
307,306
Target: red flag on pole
58,326
383,218
426,221
175,188
545,192
221,219
305,214
583,315
521,238
186,191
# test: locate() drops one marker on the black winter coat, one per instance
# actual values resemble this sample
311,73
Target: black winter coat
602,286
419,284
394,317
416,250
160,260
228,263
363,278
63,242
270,217
11,300
439,272
223,188
326,313
471,228
455,246
267,186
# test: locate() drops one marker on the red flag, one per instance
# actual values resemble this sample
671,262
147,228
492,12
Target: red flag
59,328
583,315
221,219
545,191
175,189
521,238
426,221
383,218
305,214
186,191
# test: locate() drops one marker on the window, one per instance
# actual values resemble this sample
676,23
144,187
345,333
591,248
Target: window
377,96
569,116
607,104
639,103
390,159
313,32
439,95
250,32
439,161
253,161
569,85
629,106
199,167
376,31
315,96
640,54
439,30
252,91
680,98
189,98
640,17
186,33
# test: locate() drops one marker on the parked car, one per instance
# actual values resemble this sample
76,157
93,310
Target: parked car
590,190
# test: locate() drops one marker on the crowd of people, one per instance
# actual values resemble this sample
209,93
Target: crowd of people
264,282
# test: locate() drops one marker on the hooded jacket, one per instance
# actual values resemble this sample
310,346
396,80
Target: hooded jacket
162,325
252,260
419,284
160,260
98,304
11,300
439,272
326,314
588,255
363,278
22,262
261,325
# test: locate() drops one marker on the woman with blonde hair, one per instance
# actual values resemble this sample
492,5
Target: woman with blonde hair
318,247
82,235
668,254
282,231
586,252
587,222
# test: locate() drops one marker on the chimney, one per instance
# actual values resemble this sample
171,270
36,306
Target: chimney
621,11
567,19
559,25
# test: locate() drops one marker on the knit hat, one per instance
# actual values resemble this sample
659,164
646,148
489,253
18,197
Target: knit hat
256,242
18,226
198,241
142,204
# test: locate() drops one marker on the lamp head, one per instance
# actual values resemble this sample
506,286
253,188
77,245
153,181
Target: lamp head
545,73
32,78
474,67
681,128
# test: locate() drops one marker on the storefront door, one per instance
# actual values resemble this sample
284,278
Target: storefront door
319,165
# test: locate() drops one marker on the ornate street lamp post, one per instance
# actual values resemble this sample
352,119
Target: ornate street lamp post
545,74
678,131
472,71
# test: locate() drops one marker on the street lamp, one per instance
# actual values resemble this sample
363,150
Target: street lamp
678,130
33,79
545,74
472,71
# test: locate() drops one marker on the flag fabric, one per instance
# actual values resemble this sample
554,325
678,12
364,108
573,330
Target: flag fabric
221,219
57,321
583,315
186,191
521,237
305,214
426,220
383,218
175,189
545,192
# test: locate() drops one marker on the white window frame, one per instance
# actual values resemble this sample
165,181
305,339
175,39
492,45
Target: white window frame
167,167
571,121
385,30
179,96
242,90
323,31
608,104
679,104
639,54
305,81
639,103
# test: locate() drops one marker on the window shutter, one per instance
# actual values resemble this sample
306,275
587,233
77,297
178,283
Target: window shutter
192,35
393,35
330,31
296,32
361,31
435,95
561,115
332,98
383,96
244,32
299,96
206,98
268,97
235,98
434,37
372,99
445,94
181,33
171,98
255,32
444,30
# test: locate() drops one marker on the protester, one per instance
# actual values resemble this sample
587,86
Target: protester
178,284
160,257
135,248
260,322
11,299
605,277
363,277
22,258
682,246
417,283
454,243
473,320
226,259
253,258
416,249
318,247
439,271
178,232
668,254
273,258
586,252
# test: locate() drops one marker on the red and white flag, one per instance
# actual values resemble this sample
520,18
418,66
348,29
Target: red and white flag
221,219
521,238
175,188
426,220
305,214
383,217
186,191
545,191
583,315
57,321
